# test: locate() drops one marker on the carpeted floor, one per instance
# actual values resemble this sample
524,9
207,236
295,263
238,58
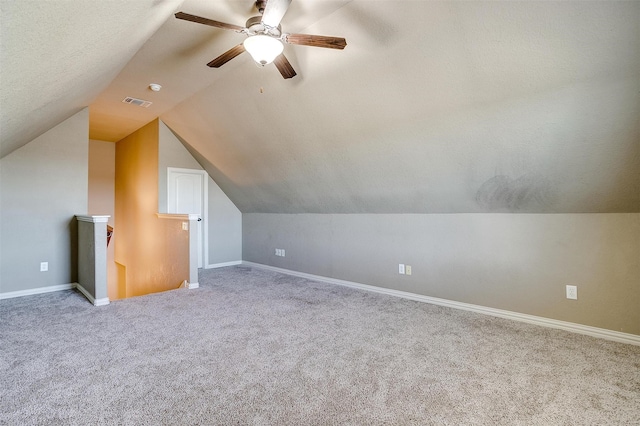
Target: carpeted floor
256,347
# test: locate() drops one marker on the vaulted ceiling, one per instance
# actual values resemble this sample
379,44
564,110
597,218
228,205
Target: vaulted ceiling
433,107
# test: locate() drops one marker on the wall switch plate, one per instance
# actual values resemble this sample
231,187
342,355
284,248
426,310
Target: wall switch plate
282,253
401,268
407,269
44,266
185,226
572,292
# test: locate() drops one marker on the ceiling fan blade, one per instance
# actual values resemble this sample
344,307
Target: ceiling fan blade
226,56
274,12
316,40
283,65
210,22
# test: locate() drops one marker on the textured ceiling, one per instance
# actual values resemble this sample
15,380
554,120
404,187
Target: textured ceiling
176,57
526,107
56,56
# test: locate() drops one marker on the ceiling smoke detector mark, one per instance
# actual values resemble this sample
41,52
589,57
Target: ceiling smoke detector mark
137,102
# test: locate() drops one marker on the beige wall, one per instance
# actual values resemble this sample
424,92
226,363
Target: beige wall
43,185
515,262
225,220
171,153
102,172
153,253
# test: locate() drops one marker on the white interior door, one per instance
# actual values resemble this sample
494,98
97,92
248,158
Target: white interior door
187,195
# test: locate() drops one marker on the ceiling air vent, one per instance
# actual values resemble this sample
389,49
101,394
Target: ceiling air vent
138,102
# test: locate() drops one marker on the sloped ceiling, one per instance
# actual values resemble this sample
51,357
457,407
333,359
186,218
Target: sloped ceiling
56,56
433,107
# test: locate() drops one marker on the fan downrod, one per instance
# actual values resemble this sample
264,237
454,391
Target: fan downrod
260,5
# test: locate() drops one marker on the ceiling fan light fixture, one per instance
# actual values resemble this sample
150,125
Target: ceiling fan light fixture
263,48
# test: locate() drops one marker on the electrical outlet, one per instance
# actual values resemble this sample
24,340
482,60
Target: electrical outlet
407,269
572,292
44,266
401,268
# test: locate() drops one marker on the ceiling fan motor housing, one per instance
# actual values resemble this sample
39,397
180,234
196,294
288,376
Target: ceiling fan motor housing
264,37
255,26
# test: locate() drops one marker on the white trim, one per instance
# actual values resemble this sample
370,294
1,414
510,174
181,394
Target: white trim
184,170
223,264
205,219
205,206
616,336
96,302
39,290
51,289
188,285
93,219
101,302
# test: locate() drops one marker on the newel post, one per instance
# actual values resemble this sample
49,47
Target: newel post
92,258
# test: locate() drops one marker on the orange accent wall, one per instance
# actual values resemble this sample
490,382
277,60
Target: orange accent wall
153,253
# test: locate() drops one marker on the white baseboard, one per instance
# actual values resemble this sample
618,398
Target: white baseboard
602,333
40,290
222,265
50,289
186,284
101,302
96,302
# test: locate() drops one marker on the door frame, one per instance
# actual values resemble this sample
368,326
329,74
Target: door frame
205,206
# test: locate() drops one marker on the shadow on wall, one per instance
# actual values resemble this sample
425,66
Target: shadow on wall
73,246
528,193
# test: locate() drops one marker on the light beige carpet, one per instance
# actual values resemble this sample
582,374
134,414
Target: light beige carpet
257,347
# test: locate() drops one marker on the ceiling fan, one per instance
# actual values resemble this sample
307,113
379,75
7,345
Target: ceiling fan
265,38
